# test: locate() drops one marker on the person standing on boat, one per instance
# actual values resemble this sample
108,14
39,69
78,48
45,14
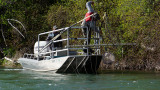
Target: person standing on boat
90,23
53,46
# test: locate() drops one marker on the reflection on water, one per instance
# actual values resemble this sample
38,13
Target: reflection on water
20,79
51,75
11,69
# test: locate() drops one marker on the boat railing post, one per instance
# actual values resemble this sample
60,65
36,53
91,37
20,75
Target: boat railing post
52,49
95,40
99,41
87,40
67,42
38,47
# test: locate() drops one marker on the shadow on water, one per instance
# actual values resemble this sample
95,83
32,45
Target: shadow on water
127,72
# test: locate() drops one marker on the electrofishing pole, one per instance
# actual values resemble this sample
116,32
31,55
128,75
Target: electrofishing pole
64,31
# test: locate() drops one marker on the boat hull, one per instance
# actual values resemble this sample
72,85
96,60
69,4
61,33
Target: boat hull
42,65
67,64
81,64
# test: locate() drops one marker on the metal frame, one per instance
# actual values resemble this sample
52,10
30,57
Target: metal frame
68,46
96,46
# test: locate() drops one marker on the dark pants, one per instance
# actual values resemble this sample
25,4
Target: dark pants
85,34
55,45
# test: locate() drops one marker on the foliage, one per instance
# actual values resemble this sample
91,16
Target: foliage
10,52
1,61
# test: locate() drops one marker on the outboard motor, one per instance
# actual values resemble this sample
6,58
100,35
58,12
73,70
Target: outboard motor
41,45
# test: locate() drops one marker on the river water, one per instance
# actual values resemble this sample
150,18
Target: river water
19,79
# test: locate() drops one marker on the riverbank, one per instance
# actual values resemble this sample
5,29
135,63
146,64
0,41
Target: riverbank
104,67
9,64
128,66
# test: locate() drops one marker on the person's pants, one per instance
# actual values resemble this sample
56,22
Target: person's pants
91,25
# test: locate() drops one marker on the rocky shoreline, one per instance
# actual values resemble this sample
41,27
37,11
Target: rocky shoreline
107,64
9,64
126,66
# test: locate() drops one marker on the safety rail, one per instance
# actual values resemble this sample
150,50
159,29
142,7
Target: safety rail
67,49
33,56
30,56
96,39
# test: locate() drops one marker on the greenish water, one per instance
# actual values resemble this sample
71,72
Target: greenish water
19,79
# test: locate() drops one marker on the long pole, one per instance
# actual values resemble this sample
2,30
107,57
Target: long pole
64,31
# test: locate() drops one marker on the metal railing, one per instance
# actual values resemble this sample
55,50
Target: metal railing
68,49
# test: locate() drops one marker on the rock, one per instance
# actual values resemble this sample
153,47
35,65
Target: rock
147,47
108,58
157,67
108,61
